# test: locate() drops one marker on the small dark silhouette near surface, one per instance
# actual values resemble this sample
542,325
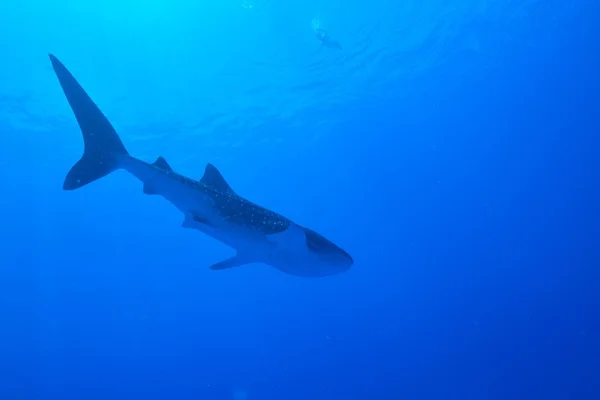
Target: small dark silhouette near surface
327,40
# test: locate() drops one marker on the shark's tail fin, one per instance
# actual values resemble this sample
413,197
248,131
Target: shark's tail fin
101,141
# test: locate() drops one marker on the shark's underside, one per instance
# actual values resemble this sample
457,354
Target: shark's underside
209,204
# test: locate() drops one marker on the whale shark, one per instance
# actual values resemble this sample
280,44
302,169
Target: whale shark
209,205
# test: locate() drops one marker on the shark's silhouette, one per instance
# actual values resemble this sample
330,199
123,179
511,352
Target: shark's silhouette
326,40
209,205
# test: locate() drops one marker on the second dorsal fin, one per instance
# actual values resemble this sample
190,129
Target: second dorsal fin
159,163
162,164
213,178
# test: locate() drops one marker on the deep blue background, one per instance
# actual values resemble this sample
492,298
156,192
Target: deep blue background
452,148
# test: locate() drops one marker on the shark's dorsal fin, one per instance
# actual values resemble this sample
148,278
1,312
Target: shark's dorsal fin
213,178
231,262
162,164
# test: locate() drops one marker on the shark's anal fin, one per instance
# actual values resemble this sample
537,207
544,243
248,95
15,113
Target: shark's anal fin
232,262
201,220
192,220
159,163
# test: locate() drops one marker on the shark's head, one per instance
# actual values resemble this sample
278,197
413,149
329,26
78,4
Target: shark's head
303,252
332,259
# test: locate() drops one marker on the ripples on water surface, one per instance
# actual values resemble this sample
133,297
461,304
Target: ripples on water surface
221,74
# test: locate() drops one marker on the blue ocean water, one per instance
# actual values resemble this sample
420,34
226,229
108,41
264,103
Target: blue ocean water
451,147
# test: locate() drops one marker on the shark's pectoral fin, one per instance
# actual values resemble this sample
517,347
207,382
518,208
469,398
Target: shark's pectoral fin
232,262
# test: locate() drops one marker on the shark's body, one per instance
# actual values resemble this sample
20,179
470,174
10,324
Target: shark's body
209,204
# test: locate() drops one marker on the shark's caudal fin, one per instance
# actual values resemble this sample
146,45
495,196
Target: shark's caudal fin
101,141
